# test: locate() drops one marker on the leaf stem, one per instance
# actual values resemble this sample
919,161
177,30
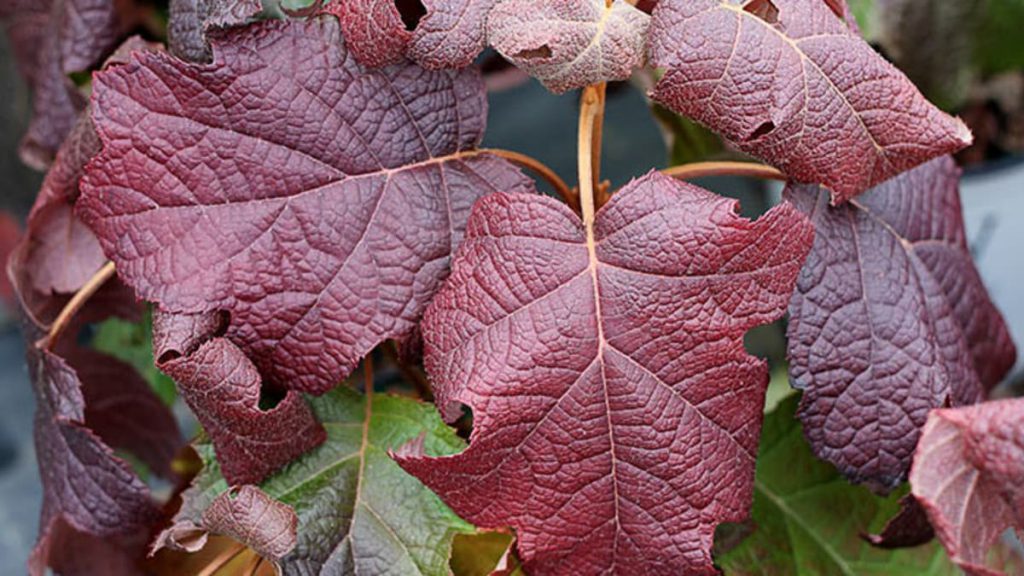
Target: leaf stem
701,169
76,303
591,114
542,170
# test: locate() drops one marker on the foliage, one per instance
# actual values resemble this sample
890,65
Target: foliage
297,190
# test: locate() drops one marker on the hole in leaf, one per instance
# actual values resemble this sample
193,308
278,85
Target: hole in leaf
168,356
543,51
763,130
270,396
411,11
763,9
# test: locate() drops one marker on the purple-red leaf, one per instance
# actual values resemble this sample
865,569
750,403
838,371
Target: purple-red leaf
890,319
190,19
222,387
790,82
969,475
251,517
569,44
434,33
314,200
616,413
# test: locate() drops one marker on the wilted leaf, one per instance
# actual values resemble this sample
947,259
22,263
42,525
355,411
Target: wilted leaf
890,319
190,19
358,511
616,413
969,475
790,82
315,201
223,389
569,44
808,519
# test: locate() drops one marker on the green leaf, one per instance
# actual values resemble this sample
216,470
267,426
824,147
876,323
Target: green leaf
1000,45
358,511
132,342
807,519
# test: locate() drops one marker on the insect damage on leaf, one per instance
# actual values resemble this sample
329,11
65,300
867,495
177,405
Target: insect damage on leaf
358,512
791,83
314,200
222,387
569,45
616,412
968,472
889,320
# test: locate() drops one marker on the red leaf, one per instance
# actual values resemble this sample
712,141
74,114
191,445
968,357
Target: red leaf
805,93
315,201
890,319
968,473
433,33
570,44
616,412
190,20
223,389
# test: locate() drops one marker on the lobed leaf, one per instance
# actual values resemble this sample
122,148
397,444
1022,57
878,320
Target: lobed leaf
358,512
890,319
616,413
795,85
315,201
190,19
569,44
967,474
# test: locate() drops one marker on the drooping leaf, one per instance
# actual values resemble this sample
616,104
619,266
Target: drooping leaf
808,520
435,34
190,19
570,44
315,201
359,513
795,85
223,388
969,475
890,319
616,413
76,553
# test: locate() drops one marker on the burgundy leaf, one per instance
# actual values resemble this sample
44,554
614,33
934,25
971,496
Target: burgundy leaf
73,553
794,85
909,527
968,474
890,319
314,200
190,19
123,410
222,387
434,33
616,413
84,484
251,517
570,44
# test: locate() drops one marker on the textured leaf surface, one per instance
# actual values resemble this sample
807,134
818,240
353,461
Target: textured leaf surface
315,201
808,519
969,475
222,387
569,44
251,517
616,413
890,319
359,513
797,87
190,19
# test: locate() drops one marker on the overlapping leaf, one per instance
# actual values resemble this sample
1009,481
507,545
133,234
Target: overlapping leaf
616,413
569,44
890,319
808,520
434,33
790,82
358,512
316,201
969,475
190,19
223,388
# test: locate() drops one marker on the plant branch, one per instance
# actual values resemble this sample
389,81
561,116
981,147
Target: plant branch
76,303
701,169
542,170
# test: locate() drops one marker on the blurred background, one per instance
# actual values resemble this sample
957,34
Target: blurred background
966,55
